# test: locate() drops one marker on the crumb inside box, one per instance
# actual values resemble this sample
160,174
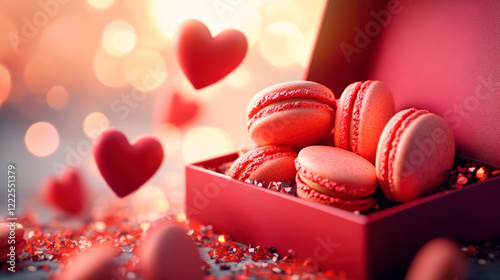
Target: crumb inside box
464,173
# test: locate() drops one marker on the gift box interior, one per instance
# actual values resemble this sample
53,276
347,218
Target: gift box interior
438,56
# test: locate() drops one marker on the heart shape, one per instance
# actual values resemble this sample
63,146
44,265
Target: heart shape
206,59
68,193
179,110
123,166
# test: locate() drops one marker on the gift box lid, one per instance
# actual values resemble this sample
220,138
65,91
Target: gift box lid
437,55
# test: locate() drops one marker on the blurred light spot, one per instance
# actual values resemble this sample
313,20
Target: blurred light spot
94,124
9,41
170,137
57,97
118,38
144,226
239,78
5,84
40,74
101,4
222,238
245,18
181,217
145,70
41,139
174,179
274,11
150,199
273,44
100,226
108,69
204,142
167,14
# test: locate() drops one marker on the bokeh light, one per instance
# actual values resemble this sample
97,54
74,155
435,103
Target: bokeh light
41,139
118,38
9,41
203,142
239,78
169,136
174,179
276,40
101,4
5,84
94,124
109,69
57,97
40,74
150,199
145,70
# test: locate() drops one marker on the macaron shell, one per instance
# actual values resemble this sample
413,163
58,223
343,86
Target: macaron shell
344,116
281,168
438,259
308,193
288,90
370,117
265,164
355,176
296,124
425,151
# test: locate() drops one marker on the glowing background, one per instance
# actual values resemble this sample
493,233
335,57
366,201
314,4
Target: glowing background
70,69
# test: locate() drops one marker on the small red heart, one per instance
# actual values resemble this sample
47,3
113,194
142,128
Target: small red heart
206,59
68,193
123,166
179,110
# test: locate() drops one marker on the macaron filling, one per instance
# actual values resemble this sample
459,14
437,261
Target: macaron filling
329,187
289,95
390,144
288,106
306,192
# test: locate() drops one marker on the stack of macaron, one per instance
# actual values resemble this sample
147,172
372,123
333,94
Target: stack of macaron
292,123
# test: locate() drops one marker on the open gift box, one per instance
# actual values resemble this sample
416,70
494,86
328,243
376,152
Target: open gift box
435,56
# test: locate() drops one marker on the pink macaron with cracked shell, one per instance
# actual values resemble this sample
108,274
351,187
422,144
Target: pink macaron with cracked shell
295,114
363,111
415,151
335,177
265,164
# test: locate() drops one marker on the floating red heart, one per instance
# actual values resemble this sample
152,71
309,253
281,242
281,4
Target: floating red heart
126,167
68,193
206,59
178,111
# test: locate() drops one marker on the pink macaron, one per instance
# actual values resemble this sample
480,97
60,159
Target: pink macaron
295,114
440,258
415,151
265,164
336,177
11,240
363,111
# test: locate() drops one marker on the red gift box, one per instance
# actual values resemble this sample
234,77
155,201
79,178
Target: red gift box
434,56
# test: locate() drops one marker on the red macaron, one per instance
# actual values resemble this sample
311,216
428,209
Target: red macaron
415,151
336,177
363,111
265,164
294,114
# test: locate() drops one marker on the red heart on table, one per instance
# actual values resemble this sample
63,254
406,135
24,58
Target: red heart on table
123,166
178,111
206,59
68,193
